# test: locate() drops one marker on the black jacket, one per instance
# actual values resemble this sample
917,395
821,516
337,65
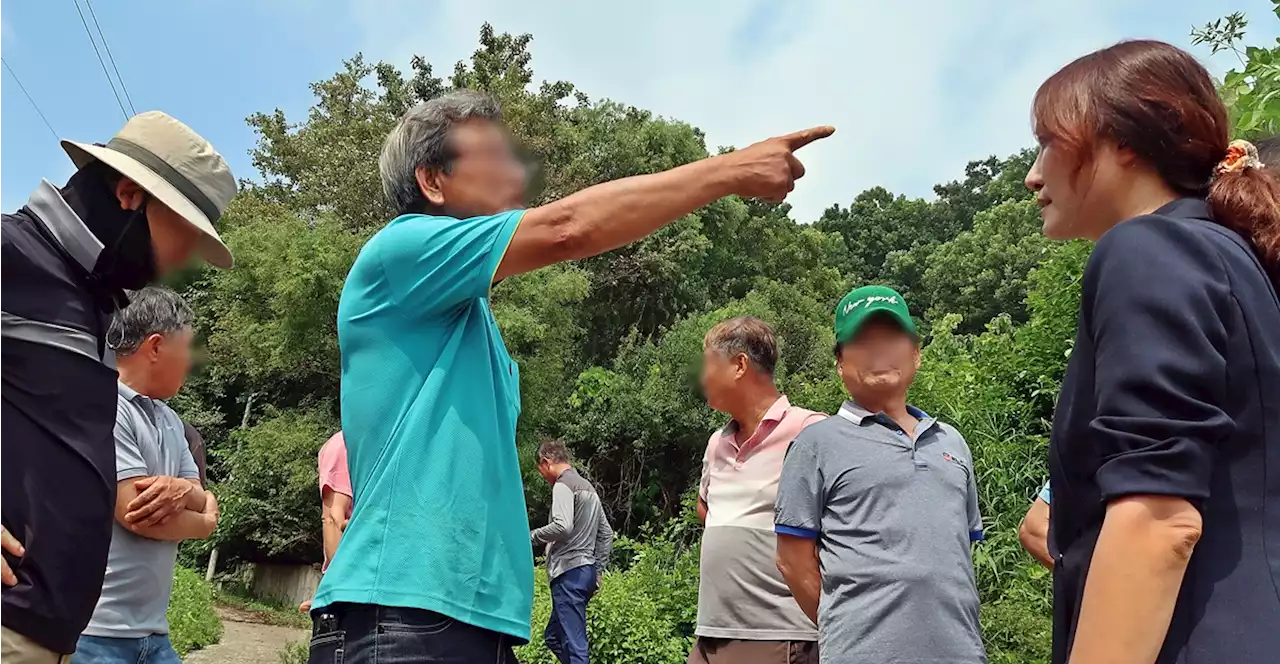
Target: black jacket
1173,388
59,405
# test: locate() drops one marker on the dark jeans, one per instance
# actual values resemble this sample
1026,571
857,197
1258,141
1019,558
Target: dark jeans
566,635
367,633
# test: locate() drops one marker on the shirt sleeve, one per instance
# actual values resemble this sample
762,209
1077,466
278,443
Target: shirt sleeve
1155,307
187,468
334,475
604,542
704,483
1046,494
129,460
801,494
435,264
561,522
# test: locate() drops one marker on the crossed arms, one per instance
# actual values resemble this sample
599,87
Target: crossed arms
166,508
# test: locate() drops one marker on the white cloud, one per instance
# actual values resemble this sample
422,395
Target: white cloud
916,90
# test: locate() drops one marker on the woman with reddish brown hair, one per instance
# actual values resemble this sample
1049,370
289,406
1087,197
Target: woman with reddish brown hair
1165,453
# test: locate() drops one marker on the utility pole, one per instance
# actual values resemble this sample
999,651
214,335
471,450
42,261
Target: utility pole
213,555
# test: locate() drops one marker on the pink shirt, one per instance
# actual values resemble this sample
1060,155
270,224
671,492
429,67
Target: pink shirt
741,595
333,467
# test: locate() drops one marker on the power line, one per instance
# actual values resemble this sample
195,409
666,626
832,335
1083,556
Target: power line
110,82
28,95
110,57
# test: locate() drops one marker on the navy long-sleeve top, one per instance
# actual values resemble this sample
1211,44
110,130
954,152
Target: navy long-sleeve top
1173,388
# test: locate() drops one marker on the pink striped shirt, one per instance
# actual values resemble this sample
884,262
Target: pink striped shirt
741,595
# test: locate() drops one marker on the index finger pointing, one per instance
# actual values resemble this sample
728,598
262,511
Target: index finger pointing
799,139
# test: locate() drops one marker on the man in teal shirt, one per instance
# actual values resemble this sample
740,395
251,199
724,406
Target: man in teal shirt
435,562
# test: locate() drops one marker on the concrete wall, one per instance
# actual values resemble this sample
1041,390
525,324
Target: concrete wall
290,584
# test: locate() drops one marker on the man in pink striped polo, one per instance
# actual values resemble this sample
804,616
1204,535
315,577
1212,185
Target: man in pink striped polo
746,613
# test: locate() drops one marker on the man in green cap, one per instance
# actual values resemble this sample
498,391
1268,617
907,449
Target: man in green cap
877,507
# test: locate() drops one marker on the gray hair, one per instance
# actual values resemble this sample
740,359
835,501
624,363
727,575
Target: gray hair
421,140
745,335
152,310
553,451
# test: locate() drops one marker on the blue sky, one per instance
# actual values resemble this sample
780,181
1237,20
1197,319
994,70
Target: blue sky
916,89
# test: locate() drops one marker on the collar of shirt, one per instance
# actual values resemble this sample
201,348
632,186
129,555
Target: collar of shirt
768,423
857,414
133,396
65,225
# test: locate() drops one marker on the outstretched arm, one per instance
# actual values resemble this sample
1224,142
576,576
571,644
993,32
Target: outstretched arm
613,214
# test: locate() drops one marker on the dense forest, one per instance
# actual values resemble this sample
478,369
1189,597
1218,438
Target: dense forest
609,347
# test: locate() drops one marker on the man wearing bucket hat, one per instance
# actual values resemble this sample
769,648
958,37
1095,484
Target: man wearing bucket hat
137,208
877,507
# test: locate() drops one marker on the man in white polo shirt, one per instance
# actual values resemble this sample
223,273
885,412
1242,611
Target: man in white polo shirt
746,614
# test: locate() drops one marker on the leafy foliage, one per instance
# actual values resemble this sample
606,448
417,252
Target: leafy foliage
1252,93
609,346
193,620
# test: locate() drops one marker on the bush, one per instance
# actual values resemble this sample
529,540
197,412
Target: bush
643,614
193,620
294,652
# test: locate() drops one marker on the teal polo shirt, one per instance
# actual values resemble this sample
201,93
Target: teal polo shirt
430,399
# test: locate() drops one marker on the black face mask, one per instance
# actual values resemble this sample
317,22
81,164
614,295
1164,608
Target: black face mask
131,263
127,260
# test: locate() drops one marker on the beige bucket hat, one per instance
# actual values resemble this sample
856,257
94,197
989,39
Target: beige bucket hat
175,165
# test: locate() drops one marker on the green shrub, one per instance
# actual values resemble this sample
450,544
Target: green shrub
193,620
294,652
643,614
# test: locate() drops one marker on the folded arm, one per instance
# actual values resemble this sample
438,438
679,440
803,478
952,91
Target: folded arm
185,524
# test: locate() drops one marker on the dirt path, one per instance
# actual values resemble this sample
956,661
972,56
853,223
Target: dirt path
245,641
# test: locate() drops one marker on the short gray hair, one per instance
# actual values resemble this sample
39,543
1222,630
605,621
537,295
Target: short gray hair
421,140
553,451
152,310
746,335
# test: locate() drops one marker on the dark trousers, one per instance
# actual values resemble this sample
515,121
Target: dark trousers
367,633
566,635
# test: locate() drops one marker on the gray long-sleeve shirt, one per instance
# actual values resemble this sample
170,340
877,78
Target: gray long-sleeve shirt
578,532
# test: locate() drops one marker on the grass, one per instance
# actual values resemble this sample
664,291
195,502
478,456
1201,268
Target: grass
265,611
294,652
193,620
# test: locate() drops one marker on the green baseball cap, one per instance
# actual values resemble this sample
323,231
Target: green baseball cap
863,303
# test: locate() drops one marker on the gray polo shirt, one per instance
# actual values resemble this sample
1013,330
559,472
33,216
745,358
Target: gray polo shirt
894,518
578,532
135,593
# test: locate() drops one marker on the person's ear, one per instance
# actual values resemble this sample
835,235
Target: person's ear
129,194
917,357
151,346
429,184
740,362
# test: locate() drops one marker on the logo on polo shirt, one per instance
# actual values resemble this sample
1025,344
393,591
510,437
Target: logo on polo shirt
947,456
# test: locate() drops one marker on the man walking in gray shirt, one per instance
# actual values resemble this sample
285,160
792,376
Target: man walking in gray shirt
877,507
579,541
159,498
